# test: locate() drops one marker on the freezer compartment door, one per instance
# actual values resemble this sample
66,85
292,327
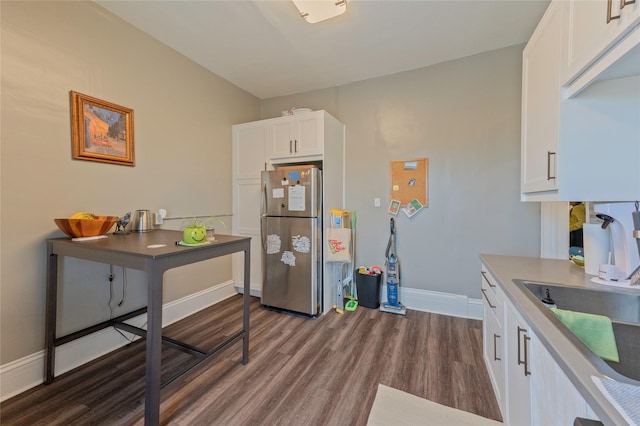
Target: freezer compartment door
292,192
291,264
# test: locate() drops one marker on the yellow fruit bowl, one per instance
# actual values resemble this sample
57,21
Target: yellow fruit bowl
76,228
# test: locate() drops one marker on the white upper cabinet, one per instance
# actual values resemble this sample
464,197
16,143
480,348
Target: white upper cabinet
541,104
296,136
597,37
249,145
581,140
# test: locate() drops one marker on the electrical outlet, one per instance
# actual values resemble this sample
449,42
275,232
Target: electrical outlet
376,202
159,217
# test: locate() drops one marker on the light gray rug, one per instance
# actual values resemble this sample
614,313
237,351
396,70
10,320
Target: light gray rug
393,407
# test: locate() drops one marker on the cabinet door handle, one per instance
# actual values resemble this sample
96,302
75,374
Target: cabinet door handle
484,275
290,146
523,351
527,372
549,154
623,3
609,7
484,293
295,146
495,347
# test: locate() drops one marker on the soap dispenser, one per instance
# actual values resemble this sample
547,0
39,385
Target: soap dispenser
548,301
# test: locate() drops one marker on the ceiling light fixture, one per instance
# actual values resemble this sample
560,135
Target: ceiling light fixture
319,10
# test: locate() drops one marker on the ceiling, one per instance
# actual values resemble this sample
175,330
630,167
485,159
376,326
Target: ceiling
267,49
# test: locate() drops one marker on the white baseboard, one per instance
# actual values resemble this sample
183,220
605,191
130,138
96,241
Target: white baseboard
438,302
427,301
255,292
27,372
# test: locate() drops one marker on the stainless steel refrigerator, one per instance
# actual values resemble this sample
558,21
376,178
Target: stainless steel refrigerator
291,232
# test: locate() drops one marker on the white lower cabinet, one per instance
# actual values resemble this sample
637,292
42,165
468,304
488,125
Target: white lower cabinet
246,222
564,403
492,328
530,386
519,339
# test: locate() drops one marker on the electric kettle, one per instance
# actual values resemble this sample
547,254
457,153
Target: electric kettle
142,221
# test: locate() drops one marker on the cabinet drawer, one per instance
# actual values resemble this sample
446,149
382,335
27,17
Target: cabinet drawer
493,351
492,296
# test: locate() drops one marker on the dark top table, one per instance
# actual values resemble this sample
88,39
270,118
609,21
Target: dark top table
136,251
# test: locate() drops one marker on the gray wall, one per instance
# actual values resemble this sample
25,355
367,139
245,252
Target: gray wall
182,116
463,115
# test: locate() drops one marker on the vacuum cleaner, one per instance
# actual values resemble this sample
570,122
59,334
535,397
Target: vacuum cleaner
392,273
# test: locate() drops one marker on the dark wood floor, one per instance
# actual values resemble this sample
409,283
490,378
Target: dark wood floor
301,372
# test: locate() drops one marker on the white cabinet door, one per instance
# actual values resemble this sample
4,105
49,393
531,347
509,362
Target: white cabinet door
249,142
246,222
282,135
308,136
519,339
541,104
297,136
561,406
255,270
246,211
588,33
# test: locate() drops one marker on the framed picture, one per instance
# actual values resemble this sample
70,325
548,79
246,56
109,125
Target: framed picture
101,131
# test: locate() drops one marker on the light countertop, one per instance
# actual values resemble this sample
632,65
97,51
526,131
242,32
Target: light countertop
571,360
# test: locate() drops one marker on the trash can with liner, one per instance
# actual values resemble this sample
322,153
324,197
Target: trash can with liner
368,290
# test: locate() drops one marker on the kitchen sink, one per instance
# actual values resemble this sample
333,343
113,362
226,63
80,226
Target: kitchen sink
622,308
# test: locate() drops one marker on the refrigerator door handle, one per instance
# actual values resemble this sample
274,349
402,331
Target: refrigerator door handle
263,212
262,233
263,199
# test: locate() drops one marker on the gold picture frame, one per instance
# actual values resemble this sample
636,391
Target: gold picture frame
101,131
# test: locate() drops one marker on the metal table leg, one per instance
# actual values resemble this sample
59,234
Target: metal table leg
50,315
154,347
246,300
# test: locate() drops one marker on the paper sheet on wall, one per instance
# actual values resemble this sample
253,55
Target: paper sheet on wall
296,198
